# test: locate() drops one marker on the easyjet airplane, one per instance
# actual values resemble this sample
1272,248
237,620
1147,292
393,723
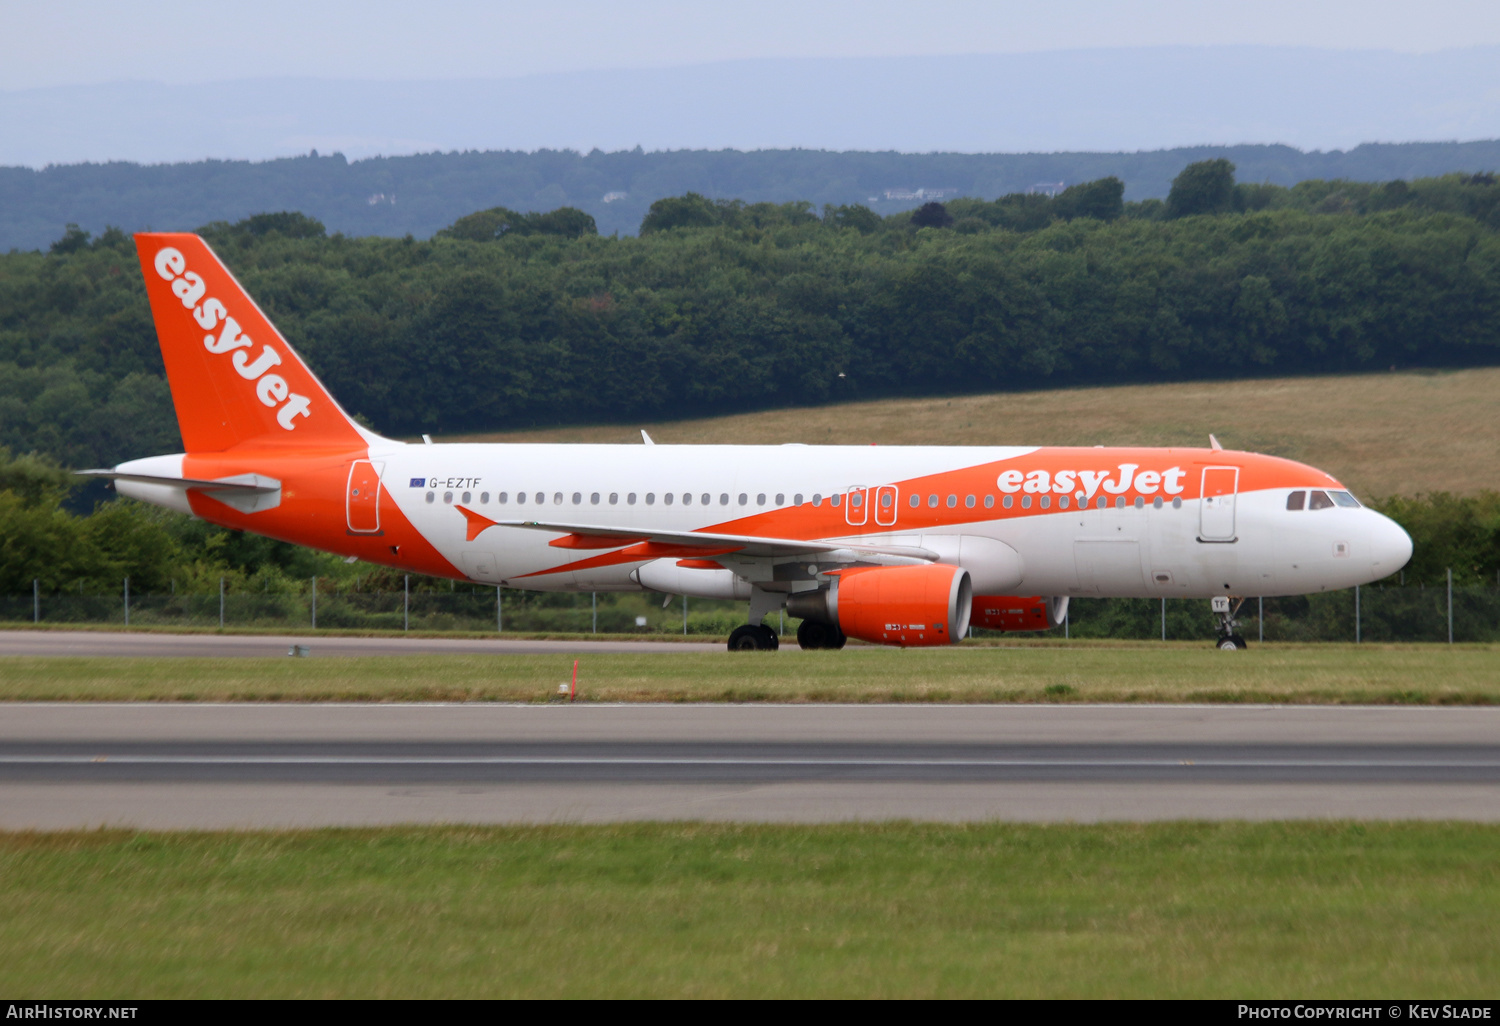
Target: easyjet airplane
894,545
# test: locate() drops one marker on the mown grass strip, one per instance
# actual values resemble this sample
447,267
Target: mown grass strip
1321,674
650,910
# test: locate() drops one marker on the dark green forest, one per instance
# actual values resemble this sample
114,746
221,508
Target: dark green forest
417,195
513,319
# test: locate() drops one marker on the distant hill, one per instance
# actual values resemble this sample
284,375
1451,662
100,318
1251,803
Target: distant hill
417,195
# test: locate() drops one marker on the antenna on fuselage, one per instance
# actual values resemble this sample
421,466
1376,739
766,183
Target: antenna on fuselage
1214,442
646,438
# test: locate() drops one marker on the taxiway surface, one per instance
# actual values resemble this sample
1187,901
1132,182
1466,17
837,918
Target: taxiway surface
283,765
125,643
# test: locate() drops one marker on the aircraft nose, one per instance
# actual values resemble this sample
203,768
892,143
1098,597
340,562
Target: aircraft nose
1389,545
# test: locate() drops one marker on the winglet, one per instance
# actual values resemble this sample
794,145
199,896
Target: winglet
646,438
477,523
1214,443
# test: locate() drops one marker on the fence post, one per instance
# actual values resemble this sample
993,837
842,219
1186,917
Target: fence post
684,616
1260,618
1164,618
127,607
406,602
221,603
594,595
36,601
1450,605
499,613
315,602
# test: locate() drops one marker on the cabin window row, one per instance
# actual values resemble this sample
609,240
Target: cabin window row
856,499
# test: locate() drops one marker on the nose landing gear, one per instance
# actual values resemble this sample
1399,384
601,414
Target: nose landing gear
1229,637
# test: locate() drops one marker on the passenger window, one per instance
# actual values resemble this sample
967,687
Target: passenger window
431,496
780,499
1140,502
724,499
1120,502
744,498
614,498
484,498
557,498
577,498
952,501
594,499
687,498
969,501
1025,502
448,498
760,500
886,500
989,502
1008,501
468,498
1345,499
667,498
817,499
856,499
630,499
1296,500
1046,502
1176,502
705,498
651,498
915,501
797,499
541,498
1320,500
1156,502
520,498
502,498
1062,502
932,501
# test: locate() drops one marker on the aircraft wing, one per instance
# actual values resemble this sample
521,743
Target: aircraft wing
593,536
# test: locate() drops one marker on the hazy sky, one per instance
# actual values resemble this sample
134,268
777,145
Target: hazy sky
66,42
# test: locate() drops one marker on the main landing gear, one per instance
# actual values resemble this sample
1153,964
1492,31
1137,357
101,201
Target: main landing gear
753,637
1229,637
812,634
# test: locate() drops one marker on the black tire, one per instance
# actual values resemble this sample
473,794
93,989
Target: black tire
1227,644
1239,642
769,642
745,639
812,634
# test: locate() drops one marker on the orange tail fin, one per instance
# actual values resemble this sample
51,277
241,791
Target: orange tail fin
234,379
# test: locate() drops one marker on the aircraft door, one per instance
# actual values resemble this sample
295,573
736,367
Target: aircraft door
362,498
887,502
856,512
1216,512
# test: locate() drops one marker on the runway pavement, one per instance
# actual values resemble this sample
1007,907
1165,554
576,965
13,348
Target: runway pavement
228,766
125,643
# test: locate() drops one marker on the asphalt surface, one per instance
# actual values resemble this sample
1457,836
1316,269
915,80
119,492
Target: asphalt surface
227,766
124,643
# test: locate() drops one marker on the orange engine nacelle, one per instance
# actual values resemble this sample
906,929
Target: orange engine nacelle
1017,613
908,606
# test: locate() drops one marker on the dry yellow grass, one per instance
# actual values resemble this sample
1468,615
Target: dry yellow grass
1381,434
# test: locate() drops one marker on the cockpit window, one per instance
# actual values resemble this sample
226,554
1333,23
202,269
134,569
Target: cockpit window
1296,500
1320,500
1345,499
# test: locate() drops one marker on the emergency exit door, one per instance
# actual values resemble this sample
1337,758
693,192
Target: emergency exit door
1216,511
362,499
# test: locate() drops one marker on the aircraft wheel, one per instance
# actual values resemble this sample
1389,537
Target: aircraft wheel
752,638
812,634
1228,645
1239,641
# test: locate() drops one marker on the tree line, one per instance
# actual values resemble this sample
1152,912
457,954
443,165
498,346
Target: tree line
510,319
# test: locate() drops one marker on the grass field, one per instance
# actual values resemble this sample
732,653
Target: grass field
1381,434
1045,672
654,910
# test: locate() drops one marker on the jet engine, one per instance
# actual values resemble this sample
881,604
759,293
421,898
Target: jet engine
910,606
1018,613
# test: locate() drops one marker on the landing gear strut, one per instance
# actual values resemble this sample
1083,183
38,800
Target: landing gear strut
753,637
1229,639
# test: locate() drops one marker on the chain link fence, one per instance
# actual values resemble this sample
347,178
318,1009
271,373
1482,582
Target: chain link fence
1378,613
